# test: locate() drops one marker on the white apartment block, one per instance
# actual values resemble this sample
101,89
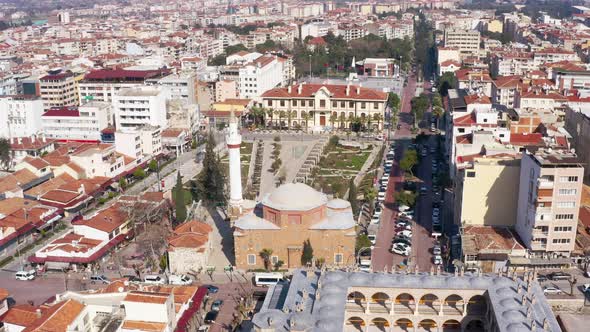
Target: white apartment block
140,144
514,63
100,160
180,86
351,31
83,123
259,75
551,55
59,90
549,201
20,116
318,29
140,106
467,41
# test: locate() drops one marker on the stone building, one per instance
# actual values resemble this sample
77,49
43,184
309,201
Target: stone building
189,247
288,216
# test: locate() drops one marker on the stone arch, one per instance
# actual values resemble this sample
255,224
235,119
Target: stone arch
380,323
477,305
356,322
356,297
404,324
427,325
405,302
451,325
453,303
363,115
302,114
474,325
429,303
350,115
335,113
380,301
294,123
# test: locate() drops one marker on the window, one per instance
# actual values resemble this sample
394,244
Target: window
274,260
562,229
376,106
471,174
565,205
251,259
568,179
342,104
294,102
334,104
461,130
322,103
351,104
561,241
567,192
338,258
294,219
282,103
364,105
310,103
564,216
269,102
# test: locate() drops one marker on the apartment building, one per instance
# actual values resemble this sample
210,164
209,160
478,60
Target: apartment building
551,55
99,160
59,89
351,31
577,123
486,192
467,41
259,75
82,123
317,29
141,106
512,63
549,201
313,104
20,116
180,86
572,80
139,143
504,90
102,85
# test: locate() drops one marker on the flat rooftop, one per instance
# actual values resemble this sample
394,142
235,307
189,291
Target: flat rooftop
556,158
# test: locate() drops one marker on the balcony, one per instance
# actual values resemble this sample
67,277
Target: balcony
545,184
544,195
543,216
538,246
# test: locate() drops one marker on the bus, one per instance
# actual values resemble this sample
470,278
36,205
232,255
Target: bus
267,279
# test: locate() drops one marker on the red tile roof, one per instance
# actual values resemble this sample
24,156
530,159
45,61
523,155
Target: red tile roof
62,111
21,315
525,139
477,99
122,74
336,92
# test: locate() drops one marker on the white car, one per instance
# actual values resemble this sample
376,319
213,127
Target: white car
404,251
180,280
25,275
405,233
375,219
403,208
385,178
407,214
551,290
378,211
437,260
436,250
389,163
586,288
381,196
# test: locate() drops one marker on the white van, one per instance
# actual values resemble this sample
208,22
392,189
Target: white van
25,275
154,280
180,280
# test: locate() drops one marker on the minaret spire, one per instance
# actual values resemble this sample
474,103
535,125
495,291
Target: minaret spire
234,140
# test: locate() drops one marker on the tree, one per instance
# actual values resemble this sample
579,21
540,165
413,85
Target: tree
290,115
352,197
446,82
123,183
210,182
362,241
378,117
139,173
282,115
278,265
408,161
163,262
179,202
370,194
419,106
333,119
5,153
153,165
232,49
393,101
406,198
306,117
270,112
307,253
218,60
265,254
342,119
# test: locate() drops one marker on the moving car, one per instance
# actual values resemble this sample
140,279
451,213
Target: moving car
153,279
211,316
559,276
25,275
551,290
423,190
101,279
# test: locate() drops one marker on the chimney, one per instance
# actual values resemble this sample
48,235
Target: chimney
347,89
19,140
289,89
299,89
32,138
38,313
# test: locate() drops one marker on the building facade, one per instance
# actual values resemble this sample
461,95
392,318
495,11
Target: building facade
83,123
20,116
140,106
59,90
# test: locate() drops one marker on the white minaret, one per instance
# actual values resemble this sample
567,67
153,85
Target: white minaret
234,141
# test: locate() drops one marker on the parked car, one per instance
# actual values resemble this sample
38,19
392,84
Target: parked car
541,278
381,196
551,290
212,289
404,251
403,208
25,275
437,260
375,219
436,250
180,280
559,276
154,280
407,214
216,305
406,233
378,210
423,190
403,223
432,149
101,279
211,316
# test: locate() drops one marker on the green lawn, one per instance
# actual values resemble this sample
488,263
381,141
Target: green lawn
352,161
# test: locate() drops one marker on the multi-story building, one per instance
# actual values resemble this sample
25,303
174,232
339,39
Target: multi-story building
258,75
99,160
317,29
139,143
181,86
467,41
83,123
407,301
480,190
20,116
577,123
572,80
549,201
550,55
59,89
351,31
284,224
512,63
103,84
314,104
140,106
504,90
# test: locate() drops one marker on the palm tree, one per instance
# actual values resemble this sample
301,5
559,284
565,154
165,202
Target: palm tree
350,120
342,119
333,119
276,114
378,117
265,255
305,116
282,115
290,115
438,112
369,120
269,112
